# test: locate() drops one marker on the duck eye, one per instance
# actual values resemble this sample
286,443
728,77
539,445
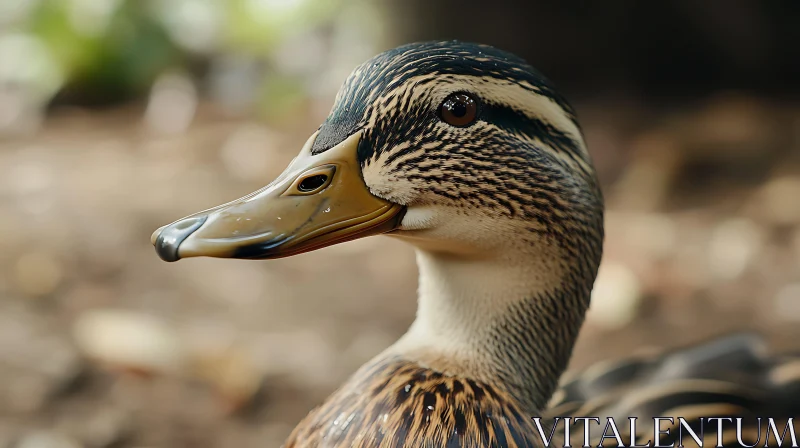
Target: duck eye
459,109
311,183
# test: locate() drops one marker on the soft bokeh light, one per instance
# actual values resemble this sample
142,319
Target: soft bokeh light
12,13
28,78
172,104
91,17
196,25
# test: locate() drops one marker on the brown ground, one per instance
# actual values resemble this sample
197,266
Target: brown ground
703,238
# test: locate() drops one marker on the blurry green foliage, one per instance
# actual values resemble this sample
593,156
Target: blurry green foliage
117,54
115,64
258,29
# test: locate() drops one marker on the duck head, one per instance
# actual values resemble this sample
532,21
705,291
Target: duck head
458,148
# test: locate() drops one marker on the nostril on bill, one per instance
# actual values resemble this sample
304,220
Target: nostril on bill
170,238
311,183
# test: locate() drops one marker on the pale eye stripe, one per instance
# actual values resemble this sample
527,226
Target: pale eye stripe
532,104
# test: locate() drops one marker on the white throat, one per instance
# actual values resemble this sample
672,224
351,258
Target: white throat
461,300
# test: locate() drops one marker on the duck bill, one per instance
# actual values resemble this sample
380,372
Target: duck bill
318,201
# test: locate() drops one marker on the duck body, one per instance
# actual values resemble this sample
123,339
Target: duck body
393,402
399,403
473,157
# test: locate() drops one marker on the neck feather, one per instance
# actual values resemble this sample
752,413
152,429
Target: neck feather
508,321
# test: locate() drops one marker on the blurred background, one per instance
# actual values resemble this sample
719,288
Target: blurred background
118,116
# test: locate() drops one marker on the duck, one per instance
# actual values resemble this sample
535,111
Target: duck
470,155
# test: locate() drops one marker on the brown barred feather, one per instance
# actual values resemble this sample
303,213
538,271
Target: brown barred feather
398,403
729,377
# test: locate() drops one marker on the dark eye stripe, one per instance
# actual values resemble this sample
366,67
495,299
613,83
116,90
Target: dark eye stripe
516,122
511,121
